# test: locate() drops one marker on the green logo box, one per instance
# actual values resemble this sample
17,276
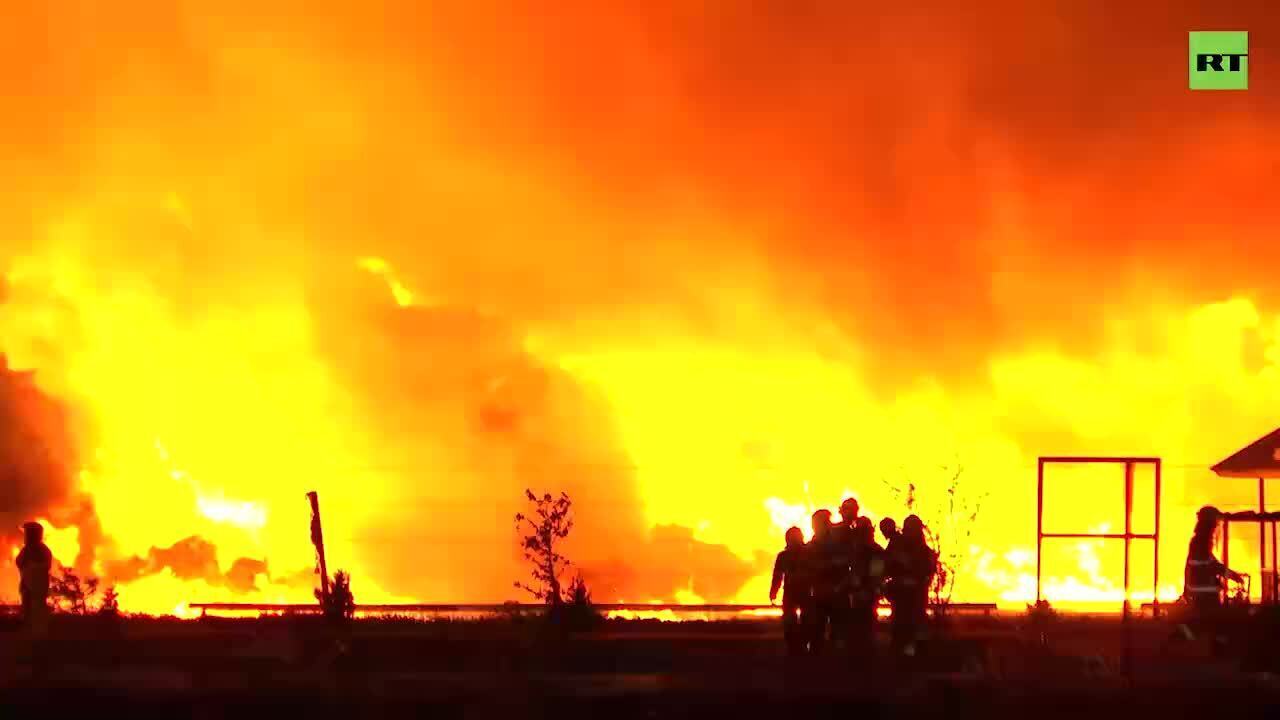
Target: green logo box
1219,60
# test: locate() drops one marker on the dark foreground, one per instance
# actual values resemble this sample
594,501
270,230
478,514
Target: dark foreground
378,669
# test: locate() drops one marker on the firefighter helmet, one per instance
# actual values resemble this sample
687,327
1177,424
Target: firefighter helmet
888,527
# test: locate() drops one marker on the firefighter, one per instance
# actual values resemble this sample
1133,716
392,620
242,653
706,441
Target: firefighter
849,512
867,572
827,573
789,575
889,529
1202,579
844,545
34,564
911,567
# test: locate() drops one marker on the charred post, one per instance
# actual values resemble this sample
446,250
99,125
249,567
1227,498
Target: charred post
317,539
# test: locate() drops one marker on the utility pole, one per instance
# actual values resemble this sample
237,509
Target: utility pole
317,539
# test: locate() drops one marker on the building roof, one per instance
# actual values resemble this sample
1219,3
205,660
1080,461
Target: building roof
1260,459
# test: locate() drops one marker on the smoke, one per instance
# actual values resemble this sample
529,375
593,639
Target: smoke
37,455
904,192
470,419
191,558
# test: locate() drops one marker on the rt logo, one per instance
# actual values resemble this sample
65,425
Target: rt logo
1219,61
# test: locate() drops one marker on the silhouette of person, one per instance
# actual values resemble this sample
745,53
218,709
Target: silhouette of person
827,575
844,545
912,565
889,529
789,574
867,571
1202,579
848,513
34,561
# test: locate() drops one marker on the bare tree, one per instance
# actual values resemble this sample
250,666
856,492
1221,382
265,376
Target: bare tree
72,594
949,524
541,531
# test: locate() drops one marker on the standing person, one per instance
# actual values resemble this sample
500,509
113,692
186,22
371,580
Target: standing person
34,564
827,574
844,545
1202,579
892,548
867,569
848,515
889,529
911,568
789,575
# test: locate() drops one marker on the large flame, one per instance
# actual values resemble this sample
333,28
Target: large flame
697,266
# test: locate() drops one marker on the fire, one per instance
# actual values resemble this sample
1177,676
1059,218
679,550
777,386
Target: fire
236,498
660,615
404,297
699,303
238,429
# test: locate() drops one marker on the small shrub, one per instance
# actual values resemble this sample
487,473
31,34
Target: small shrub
71,593
339,604
109,607
1041,613
1039,617
577,613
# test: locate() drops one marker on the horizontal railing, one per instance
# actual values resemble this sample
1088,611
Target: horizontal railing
984,608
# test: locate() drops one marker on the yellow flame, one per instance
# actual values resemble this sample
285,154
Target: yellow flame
174,203
64,543
145,372
243,514
403,296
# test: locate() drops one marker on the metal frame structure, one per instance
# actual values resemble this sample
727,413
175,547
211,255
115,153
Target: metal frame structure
1270,582
1258,460
1127,536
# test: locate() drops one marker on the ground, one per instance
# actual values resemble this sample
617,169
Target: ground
998,667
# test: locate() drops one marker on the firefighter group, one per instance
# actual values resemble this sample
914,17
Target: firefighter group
832,585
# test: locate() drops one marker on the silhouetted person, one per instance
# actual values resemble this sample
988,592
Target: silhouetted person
866,572
789,574
824,561
34,564
848,513
889,529
844,545
1202,578
911,567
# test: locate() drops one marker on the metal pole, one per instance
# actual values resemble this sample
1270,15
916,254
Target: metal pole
1275,577
317,538
1128,528
1226,542
1155,566
1039,520
1128,532
1275,573
1262,536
